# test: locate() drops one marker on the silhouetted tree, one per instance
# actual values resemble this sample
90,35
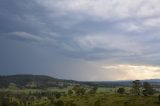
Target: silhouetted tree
148,90
136,85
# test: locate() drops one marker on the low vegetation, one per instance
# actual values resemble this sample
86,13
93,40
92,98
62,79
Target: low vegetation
138,94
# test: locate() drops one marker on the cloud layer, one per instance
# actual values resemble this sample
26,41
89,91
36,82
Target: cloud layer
80,31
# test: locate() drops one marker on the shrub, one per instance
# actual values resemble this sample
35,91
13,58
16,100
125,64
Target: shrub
121,90
58,95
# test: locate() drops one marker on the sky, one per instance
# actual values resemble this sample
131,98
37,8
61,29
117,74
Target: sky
86,40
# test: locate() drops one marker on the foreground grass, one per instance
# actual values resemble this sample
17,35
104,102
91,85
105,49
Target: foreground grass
112,100
104,97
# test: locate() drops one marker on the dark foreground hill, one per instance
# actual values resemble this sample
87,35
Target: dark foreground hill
33,81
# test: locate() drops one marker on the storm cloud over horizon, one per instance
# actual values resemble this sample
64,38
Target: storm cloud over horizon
81,39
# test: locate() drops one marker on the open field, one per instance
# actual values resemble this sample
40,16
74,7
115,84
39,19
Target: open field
103,97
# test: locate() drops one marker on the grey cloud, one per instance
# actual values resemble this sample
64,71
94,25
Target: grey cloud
25,36
121,32
39,19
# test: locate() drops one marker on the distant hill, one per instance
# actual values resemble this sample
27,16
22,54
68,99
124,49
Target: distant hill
33,81
154,82
42,81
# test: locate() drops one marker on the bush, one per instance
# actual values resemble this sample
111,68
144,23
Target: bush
148,89
121,90
58,95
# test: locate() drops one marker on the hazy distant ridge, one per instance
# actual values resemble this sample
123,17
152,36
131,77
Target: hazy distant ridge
43,81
